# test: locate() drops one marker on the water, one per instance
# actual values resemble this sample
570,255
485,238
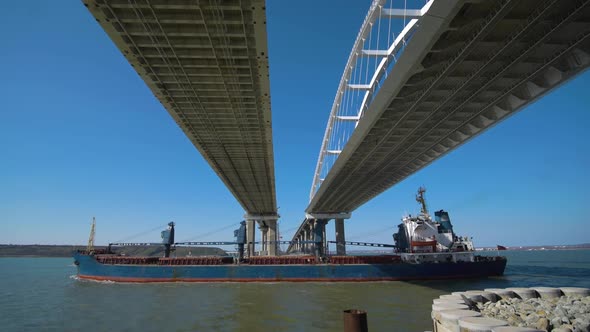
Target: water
40,294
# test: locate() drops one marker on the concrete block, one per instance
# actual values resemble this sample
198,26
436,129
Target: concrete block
438,327
514,329
449,296
485,296
448,306
524,293
450,318
480,324
569,291
438,308
503,293
439,301
548,292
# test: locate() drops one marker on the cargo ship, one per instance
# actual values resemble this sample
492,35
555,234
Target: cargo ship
424,248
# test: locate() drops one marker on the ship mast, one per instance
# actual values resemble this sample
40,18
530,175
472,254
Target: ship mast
91,239
420,199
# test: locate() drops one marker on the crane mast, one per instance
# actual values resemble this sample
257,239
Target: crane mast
91,238
420,199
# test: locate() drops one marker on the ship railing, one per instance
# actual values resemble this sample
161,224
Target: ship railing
366,244
281,260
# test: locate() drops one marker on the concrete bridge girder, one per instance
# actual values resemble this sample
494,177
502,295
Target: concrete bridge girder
202,81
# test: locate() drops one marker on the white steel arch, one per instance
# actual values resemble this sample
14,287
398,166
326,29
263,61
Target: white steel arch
359,83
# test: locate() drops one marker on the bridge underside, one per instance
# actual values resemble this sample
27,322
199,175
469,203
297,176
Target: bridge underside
468,66
207,63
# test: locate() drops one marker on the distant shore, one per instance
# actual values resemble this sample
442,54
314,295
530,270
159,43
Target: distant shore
37,250
545,247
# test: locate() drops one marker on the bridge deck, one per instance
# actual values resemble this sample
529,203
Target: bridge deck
207,63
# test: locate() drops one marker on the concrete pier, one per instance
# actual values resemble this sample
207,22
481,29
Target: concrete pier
271,238
250,237
307,236
319,231
340,238
263,239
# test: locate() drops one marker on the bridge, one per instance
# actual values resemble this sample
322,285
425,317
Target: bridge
207,63
420,81
410,95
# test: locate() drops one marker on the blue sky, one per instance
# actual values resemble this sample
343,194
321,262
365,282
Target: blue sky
82,136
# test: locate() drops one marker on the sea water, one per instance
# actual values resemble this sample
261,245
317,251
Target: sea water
42,294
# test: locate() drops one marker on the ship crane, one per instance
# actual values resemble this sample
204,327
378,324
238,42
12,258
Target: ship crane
90,246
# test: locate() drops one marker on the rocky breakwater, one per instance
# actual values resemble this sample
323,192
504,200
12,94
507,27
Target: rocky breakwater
565,309
564,313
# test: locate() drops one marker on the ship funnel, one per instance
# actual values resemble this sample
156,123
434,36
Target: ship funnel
442,217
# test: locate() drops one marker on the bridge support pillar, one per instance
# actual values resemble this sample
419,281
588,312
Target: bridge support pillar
305,238
308,237
250,237
271,238
319,230
340,239
268,226
263,239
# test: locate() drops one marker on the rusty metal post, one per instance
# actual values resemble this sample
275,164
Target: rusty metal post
355,321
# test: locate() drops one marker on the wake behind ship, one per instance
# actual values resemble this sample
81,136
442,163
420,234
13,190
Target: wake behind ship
424,249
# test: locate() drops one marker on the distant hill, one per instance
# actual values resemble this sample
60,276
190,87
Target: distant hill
37,250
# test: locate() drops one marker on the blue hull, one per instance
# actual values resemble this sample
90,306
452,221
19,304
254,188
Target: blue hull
90,268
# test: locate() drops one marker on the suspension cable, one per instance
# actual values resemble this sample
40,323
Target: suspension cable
200,236
142,233
369,233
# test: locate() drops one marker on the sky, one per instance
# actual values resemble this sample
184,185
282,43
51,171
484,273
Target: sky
82,136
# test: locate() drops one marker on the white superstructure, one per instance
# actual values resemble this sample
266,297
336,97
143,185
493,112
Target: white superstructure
421,239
